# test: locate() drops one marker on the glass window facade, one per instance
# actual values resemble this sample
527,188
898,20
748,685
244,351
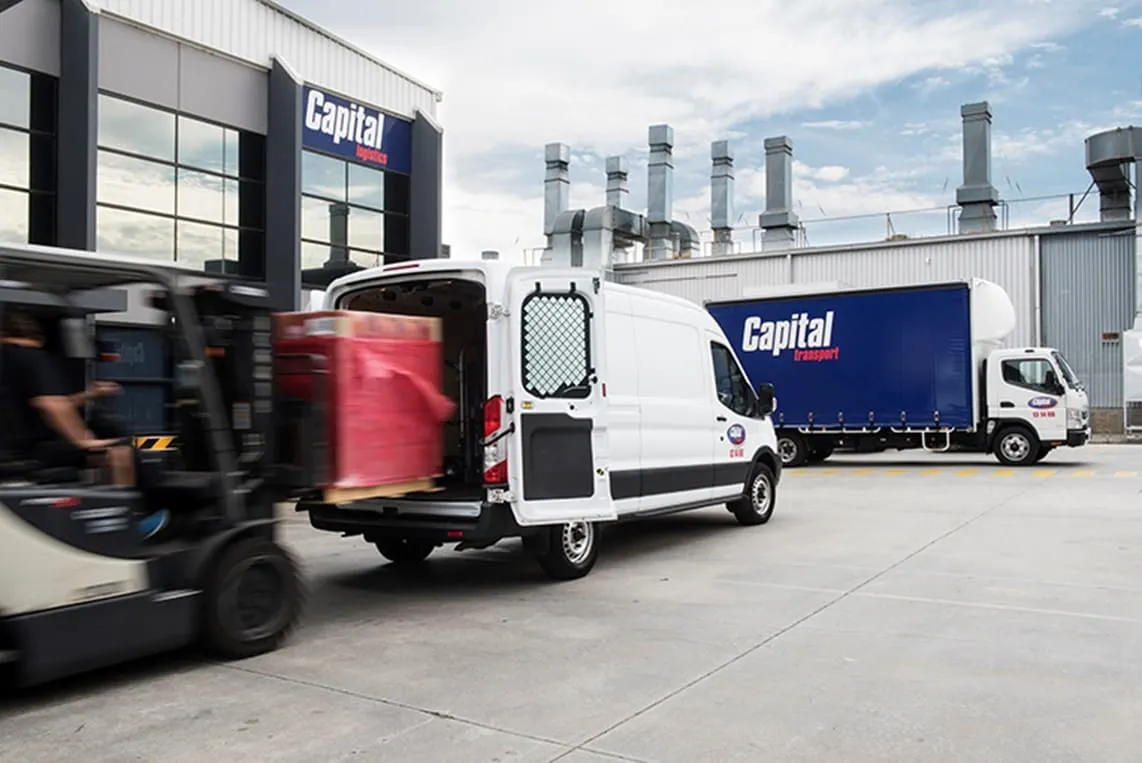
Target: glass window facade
175,188
27,156
351,212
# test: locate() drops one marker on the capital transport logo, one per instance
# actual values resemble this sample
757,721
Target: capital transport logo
809,337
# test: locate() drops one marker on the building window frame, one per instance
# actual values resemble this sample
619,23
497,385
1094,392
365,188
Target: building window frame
391,218
41,132
249,178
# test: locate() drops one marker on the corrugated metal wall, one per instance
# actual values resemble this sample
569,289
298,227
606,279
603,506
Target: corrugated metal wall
257,31
1088,290
1008,260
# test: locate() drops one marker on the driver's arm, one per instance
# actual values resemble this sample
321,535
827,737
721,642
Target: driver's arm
53,401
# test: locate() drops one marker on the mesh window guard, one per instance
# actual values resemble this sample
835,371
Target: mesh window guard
556,347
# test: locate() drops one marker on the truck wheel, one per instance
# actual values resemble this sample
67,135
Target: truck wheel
792,449
819,453
569,551
405,551
252,599
755,507
1016,446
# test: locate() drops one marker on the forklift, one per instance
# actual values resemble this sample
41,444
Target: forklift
79,588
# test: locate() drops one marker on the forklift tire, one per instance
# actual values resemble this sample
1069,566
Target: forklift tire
405,552
1016,446
568,551
252,599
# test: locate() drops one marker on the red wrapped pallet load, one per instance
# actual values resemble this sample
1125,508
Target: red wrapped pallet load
382,392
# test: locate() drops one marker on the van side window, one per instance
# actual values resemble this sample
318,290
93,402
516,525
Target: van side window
556,347
1032,373
733,389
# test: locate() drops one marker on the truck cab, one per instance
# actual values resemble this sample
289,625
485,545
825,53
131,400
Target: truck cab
1033,388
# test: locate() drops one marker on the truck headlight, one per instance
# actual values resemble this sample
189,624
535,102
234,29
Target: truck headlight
1076,418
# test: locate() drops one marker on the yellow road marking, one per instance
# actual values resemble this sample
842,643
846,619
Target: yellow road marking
930,472
895,472
1126,474
862,472
1044,472
1083,474
967,472
1003,473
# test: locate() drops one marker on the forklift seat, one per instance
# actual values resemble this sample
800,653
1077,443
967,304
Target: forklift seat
16,466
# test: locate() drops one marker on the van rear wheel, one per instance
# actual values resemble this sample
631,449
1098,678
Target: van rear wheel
568,551
755,507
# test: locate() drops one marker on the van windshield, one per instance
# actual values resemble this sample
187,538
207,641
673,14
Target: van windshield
1069,375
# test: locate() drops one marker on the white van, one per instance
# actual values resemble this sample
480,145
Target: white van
580,402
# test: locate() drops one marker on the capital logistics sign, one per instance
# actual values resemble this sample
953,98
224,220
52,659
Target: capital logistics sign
334,125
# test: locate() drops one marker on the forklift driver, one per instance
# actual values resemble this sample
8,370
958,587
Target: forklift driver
53,431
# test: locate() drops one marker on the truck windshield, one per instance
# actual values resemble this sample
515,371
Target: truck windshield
1069,375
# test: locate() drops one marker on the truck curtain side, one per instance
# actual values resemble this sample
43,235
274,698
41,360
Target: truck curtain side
897,358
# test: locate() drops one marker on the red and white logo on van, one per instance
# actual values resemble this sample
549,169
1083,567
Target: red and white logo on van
736,434
1042,402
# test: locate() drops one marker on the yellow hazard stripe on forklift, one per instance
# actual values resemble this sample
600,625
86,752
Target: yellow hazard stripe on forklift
154,443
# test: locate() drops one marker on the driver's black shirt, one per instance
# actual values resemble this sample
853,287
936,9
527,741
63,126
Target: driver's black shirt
27,373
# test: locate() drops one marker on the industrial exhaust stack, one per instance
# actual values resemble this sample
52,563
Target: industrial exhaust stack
778,221
722,197
660,192
977,197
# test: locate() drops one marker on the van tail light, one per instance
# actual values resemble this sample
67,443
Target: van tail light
496,453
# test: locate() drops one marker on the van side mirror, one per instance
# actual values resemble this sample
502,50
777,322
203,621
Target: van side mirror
766,400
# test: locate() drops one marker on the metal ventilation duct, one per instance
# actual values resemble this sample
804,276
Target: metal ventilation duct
660,192
1108,158
618,191
556,184
977,197
778,220
722,196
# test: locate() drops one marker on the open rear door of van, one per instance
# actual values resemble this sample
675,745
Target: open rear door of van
558,454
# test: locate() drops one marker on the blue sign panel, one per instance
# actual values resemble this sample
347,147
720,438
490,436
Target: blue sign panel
358,133
880,358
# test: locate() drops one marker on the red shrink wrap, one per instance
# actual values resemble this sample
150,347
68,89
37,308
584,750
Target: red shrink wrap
381,384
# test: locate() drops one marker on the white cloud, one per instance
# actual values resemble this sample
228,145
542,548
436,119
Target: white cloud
1136,23
836,124
517,74
1109,12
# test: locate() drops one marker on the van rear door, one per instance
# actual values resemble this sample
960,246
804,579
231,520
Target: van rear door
557,456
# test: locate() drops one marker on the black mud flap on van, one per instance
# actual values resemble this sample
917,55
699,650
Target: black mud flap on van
558,461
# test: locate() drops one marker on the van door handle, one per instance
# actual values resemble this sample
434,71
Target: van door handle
721,418
1006,404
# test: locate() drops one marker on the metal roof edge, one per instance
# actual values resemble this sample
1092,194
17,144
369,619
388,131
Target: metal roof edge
315,27
1043,230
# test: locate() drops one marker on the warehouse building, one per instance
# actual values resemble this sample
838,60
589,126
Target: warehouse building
1074,286
232,135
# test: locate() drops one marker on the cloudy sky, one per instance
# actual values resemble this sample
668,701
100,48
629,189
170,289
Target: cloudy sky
868,90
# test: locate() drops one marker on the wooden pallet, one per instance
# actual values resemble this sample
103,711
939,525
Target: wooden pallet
395,490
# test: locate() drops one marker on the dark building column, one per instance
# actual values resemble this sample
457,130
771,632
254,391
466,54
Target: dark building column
283,189
77,130
426,189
